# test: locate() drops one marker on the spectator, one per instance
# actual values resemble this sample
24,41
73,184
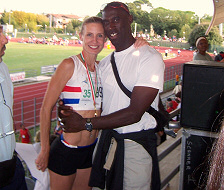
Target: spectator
171,105
58,129
215,52
220,56
12,174
36,144
178,100
177,79
177,88
202,47
24,134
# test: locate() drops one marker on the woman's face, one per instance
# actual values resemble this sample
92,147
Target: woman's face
202,45
93,38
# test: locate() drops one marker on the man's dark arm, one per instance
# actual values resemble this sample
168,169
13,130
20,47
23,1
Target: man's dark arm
141,99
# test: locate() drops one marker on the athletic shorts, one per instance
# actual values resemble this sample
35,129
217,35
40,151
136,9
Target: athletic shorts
64,160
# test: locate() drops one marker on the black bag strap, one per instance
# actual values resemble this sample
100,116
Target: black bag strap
121,85
118,79
156,114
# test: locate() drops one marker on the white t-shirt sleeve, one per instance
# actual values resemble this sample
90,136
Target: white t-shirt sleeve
151,69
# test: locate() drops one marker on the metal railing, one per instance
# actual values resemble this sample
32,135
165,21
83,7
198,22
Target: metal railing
168,147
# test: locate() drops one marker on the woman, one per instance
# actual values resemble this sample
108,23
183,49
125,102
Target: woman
202,47
77,82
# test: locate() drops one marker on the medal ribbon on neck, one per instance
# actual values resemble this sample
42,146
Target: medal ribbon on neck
93,89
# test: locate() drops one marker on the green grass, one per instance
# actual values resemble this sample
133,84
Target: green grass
32,56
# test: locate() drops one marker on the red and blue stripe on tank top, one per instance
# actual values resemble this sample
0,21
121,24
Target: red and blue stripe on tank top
71,95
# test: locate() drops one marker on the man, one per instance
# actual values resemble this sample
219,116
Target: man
141,71
219,57
12,175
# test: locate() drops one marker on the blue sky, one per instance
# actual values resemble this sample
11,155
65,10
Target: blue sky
92,7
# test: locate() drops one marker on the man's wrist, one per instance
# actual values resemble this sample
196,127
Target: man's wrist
88,125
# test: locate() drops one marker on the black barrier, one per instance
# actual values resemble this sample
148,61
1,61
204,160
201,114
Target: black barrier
196,147
203,86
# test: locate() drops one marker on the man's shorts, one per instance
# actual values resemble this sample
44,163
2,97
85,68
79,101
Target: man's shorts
64,160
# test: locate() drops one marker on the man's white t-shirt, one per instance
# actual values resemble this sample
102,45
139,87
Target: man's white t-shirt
136,67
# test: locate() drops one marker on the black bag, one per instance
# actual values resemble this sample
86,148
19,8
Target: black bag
161,119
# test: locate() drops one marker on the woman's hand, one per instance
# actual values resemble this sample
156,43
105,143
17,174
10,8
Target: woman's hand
141,42
42,161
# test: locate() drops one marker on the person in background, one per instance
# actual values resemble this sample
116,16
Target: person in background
124,121
58,129
36,144
215,52
171,105
177,88
202,46
177,79
12,174
219,57
24,134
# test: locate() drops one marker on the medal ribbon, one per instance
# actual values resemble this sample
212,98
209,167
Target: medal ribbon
93,90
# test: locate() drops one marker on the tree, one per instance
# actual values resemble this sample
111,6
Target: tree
159,20
185,31
206,19
70,28
32,25
165,19
42,20
76,26
199,30
172,33
20,18
140,16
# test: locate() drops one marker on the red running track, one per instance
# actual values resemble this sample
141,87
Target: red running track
27,103
30,97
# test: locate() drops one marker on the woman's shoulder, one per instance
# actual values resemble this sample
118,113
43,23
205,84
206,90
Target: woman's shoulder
70,61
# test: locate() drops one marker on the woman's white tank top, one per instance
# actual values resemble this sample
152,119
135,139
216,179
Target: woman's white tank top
77,92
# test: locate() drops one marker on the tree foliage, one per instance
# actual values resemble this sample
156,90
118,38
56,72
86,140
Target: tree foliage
167,20
185,31
199,30
19,19
164,21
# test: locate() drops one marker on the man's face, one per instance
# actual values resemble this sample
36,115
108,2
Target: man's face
117,25
3,41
